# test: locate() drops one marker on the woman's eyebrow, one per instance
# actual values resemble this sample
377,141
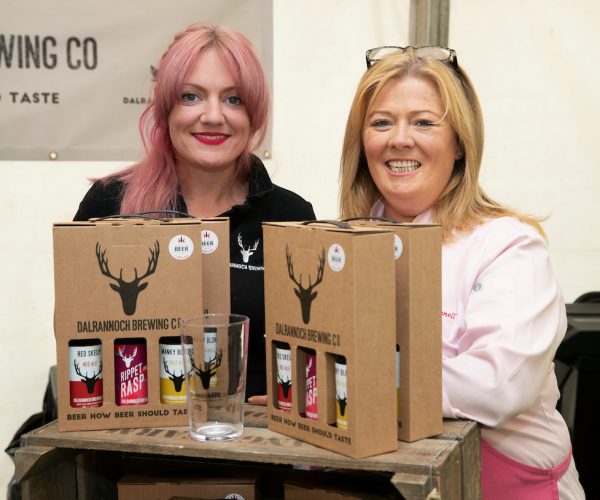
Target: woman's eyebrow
200,87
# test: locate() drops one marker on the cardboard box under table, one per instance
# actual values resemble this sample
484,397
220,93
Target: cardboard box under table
417,252
192,487
338,484
330,299
122,287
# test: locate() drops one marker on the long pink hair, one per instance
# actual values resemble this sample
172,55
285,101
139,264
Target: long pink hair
152,183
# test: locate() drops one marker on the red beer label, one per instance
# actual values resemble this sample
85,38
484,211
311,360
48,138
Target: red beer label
85,375
131,374
284,378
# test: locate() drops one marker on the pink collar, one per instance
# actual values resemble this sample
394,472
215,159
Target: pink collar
378,209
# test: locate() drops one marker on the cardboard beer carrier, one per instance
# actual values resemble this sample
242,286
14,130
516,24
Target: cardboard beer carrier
417,253
331,335
122,288
216,287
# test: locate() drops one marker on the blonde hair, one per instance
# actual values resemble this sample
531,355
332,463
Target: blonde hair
463,204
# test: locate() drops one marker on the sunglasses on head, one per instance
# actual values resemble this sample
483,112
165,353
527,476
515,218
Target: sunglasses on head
442,54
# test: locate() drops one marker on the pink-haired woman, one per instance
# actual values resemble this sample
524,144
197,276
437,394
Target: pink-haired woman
209,111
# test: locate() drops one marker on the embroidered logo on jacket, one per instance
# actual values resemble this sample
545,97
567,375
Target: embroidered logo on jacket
246,251
451,315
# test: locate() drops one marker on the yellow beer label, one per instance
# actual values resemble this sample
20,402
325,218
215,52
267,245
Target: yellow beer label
341,396
210,355
172,374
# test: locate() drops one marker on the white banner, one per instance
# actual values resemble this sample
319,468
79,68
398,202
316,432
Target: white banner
76,75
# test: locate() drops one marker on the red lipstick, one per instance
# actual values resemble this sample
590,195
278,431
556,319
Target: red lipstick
211,138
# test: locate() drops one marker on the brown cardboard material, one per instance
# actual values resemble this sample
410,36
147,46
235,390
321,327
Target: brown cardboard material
337,484
132,487
323,492
215,265
94,262
332,290
419,326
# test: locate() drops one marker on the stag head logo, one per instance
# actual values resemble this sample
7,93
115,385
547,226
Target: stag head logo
176,379
309,366
210,368
246,252
306,295
128,290
90,382
286,385
127,359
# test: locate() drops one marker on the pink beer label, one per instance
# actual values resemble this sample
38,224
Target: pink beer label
311,386
131,374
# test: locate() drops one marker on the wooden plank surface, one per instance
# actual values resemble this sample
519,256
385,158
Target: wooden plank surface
466,433
413,486
33,460
256,445
447,464
46,473
450,475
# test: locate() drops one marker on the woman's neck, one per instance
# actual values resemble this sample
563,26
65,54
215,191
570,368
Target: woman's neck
208,194
396,215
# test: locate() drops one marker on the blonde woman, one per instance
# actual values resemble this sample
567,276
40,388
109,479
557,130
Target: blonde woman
412,152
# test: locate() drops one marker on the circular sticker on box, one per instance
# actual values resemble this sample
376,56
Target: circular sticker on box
397,247
181,247
210,241
336,257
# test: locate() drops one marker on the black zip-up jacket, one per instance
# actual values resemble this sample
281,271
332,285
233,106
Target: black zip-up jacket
265,202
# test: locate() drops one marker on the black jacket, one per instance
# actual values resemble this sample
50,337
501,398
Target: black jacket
265,202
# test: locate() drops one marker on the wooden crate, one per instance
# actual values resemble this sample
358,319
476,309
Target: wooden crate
80,464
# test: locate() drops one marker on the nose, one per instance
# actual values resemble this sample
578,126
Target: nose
401,137
212,113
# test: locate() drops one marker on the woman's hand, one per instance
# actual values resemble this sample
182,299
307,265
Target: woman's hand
258,400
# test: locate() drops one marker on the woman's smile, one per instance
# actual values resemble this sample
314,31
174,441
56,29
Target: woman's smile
211,138
402,166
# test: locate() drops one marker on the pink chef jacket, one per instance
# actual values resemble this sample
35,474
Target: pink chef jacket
503,317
